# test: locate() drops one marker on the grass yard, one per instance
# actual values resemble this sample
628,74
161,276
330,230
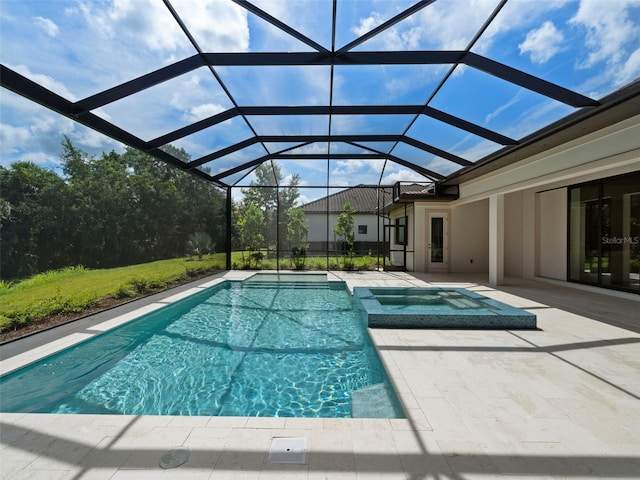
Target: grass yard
243,260
75,289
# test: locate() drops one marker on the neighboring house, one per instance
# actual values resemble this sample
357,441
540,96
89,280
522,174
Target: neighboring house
367,201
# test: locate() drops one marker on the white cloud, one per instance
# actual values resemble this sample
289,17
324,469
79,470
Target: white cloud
40,158
515,16
536,117
37,140
390,39
45,80
490,116
478,151
216,26
450,25
542,43
195,97
47,25
631,68
361,167
608,30
303,200
402,175
39,132
202,111
311,19
12,138
148,20
612,35
446,25
93,140
311,149
367,24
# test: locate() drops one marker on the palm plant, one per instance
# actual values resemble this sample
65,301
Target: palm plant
199,243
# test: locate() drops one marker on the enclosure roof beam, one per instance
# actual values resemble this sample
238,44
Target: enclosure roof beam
194,127
241,167
405,163
436,151
334,156
290,138
333,110
386,25
138,84
421,57
328,138
35,92
278,24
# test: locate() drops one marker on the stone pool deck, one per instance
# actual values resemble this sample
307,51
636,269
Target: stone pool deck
560,402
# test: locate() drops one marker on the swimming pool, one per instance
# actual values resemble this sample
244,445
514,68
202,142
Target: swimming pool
434,307
260,348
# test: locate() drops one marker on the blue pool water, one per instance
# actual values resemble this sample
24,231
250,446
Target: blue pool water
433,307
240,348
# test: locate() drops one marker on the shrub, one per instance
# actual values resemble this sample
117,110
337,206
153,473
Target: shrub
139,284
124,291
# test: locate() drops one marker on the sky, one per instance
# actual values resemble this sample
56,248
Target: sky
81,47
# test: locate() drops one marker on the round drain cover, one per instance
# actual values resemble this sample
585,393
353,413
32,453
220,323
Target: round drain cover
174,457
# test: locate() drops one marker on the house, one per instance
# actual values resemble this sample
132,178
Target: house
565,206
322,215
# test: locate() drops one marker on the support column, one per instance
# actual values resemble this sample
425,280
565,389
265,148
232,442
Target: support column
496,239
228,226
529,232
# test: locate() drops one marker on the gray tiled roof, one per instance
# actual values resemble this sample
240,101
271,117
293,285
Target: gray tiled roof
363,199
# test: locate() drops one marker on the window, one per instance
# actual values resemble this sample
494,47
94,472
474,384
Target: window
401,231
362,229
604,232
437,240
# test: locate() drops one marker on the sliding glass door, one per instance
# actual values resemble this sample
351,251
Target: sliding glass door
604,232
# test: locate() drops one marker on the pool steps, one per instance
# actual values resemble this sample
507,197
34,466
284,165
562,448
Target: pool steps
374,401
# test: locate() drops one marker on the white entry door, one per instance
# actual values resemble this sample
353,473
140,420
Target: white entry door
437,243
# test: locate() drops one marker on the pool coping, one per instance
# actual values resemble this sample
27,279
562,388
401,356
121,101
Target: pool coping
25,351
14,358
94,325
476,405
502,316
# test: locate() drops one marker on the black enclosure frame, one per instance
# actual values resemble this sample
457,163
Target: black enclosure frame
83,110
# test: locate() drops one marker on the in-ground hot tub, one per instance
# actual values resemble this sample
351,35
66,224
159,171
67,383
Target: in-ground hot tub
392,307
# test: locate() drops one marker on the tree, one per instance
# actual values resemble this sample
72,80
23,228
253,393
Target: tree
344,229
106,211
288,198
297,228
297,231
274,198
35,218
250,226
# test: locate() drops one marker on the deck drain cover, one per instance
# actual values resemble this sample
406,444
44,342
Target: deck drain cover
288,450
174,457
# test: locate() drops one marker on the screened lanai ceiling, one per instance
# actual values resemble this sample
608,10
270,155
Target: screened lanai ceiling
339,92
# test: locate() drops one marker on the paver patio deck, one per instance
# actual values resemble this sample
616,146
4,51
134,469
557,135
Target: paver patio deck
560,402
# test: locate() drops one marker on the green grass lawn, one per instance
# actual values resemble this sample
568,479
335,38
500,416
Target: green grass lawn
365,262
75,289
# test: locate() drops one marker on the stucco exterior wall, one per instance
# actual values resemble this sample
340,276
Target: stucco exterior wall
470,237
551,236
513,234
317,224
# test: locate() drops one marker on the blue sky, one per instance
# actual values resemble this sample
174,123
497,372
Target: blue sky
78,48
